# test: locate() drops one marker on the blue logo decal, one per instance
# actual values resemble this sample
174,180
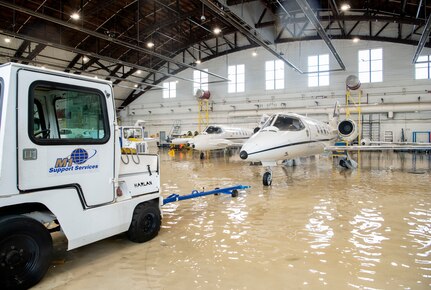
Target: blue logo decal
74,162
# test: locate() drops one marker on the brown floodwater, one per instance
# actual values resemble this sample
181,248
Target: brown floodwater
317,226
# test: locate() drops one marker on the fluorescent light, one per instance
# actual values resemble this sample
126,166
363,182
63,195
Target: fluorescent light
345,7
217,30
75,16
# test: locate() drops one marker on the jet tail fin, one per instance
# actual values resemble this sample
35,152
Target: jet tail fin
334,120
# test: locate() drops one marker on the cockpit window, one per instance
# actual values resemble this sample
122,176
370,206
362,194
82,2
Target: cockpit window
213,130
288,123
269,121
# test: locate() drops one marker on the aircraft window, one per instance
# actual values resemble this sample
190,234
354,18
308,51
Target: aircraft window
269,121
287,123
213,130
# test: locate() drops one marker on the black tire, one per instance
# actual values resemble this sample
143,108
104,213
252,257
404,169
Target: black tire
267,179
25,252
234,193
202,155
343,163
145,223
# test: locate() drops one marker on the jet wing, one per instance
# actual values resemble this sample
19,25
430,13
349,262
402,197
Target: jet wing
179,141
377,147
221,142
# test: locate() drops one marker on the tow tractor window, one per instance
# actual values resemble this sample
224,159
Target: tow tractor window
132,133
288,123
1,99
67,115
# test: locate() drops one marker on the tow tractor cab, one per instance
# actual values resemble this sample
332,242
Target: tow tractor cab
132,141
61,169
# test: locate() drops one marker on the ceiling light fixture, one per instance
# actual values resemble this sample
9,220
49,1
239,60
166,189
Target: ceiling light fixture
355,39
198,61
75,16
138,71
150,44
345,7
254,53
7,40
85,59
217,30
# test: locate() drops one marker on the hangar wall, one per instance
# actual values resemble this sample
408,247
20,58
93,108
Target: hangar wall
244,109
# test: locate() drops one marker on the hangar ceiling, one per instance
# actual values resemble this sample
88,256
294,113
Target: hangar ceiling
111,38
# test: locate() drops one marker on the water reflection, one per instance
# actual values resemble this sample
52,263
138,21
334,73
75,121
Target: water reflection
367,240
419,234
318,226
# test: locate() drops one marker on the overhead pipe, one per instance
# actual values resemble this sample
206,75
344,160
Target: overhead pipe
364,109
306,8
423,40
253,35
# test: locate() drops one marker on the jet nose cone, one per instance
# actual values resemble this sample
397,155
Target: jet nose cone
243,154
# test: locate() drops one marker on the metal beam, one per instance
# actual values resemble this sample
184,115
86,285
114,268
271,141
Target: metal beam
254,35
83,52
305,7
424,39
102,36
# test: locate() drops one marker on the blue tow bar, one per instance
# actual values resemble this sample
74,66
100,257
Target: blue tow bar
227,190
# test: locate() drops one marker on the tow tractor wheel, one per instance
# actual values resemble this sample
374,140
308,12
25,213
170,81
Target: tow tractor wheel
267,178
25,252
145,223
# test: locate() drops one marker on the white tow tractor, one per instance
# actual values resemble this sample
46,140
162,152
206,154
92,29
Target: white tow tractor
60,165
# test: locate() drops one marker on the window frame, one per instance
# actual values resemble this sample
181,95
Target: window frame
59,141
169,90
197,82
320,72
425,65
274,80
371,62
235,83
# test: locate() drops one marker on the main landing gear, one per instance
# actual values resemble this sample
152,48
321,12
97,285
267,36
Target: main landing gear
267,177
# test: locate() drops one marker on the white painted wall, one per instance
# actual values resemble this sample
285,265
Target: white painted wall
398,85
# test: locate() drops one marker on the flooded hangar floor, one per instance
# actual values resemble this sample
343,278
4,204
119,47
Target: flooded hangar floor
317,226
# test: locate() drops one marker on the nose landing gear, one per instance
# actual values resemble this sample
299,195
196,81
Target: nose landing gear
267,177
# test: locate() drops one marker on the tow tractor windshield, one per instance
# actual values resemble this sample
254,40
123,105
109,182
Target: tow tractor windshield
213,130
1,100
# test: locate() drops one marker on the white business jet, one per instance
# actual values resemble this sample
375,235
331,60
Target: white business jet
219,137
290,136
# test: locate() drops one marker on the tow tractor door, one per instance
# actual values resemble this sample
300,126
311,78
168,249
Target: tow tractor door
65,135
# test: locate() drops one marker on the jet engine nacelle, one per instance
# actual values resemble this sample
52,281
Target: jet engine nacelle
348,130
